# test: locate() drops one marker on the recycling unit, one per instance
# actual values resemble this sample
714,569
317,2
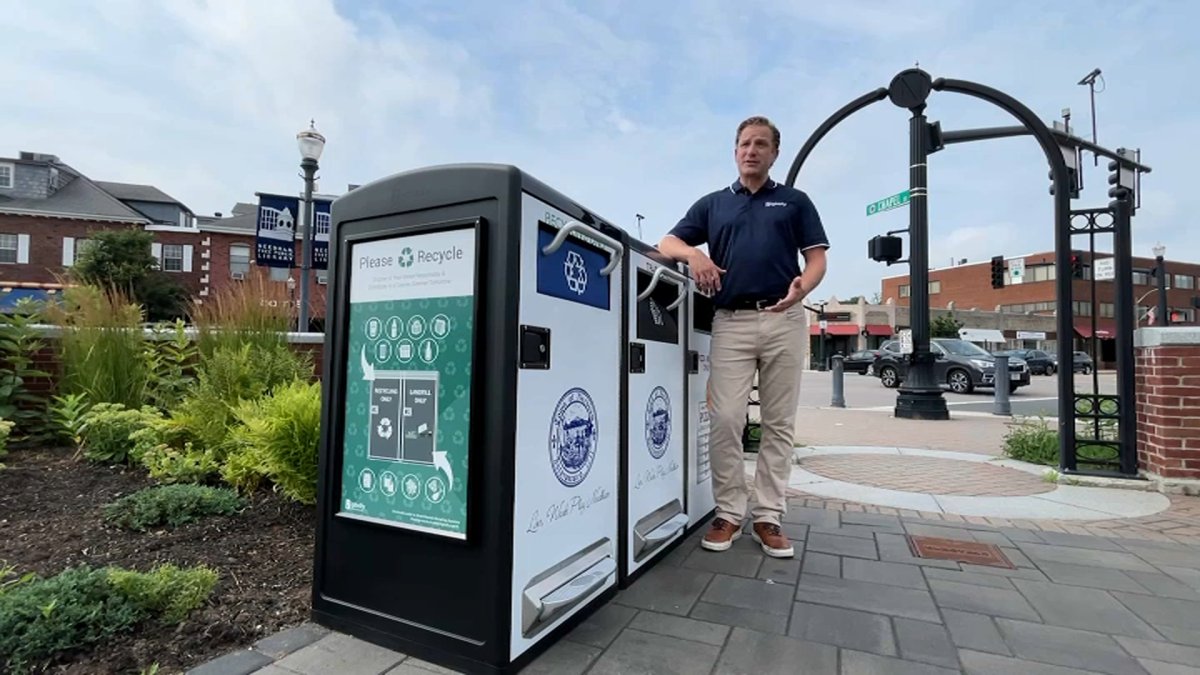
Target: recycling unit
470,458
653,510
699,492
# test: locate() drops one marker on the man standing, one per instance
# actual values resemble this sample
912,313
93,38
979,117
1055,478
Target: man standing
756,230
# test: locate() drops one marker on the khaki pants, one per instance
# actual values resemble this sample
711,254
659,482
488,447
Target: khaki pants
745,341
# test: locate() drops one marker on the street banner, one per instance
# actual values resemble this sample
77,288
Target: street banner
275,233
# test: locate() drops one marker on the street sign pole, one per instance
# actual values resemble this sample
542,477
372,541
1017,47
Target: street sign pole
888,203
920,396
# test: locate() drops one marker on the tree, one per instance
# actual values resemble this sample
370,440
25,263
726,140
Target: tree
123,260
944,326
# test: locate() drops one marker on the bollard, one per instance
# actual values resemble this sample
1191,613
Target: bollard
1001,380
839,395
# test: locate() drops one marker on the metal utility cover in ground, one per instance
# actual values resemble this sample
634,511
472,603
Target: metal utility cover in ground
937,548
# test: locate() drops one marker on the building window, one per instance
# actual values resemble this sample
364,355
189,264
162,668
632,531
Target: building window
280,273
81,245
172,260
904,291
1107,310
1083,308
1040,273
1141,278
1183,315
935,287
239,261
1184,281
8,248
6,176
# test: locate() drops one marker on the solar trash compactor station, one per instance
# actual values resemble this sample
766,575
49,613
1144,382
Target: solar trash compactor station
478,420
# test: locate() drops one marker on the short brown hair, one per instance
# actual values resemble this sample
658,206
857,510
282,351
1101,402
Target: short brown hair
758,121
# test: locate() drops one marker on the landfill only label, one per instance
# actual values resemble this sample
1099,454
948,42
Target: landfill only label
888,203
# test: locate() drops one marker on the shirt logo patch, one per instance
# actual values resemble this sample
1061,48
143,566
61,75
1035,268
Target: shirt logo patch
770,204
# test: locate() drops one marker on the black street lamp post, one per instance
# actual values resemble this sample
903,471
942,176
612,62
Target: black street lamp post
920,396
311,144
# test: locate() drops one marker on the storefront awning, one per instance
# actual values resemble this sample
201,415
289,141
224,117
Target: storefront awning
9,297
1104,329
834,329
879,329
981,335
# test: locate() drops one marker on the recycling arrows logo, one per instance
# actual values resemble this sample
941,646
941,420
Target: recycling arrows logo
406,257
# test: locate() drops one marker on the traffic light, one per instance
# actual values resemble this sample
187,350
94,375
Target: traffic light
1072,182
1121,177
1076,267
998,271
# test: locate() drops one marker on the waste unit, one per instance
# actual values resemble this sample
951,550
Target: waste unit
700,500
469,459
653,512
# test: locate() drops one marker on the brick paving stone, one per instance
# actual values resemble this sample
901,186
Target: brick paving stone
849,628
969,577
934,475
285,642
1068,647
240,662
925,642
862,663
892,574
868,597
681,627
666,589
843,546
1083,608
780,570
978,663
982,600
339,653
738,617
563,658
974,631
1163,611
755,594
603,626
822,564
763,654
636,651
1160,651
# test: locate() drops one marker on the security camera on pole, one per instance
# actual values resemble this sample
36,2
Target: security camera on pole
311,144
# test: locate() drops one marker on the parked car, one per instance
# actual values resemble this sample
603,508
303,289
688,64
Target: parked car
960,365
860,361
1082,363
1040,362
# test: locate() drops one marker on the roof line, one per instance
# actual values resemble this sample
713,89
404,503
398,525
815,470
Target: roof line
72,216
118,202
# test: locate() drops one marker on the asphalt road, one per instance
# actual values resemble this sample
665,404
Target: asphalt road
865,391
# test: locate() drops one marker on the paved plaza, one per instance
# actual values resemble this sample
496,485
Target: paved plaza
1090,579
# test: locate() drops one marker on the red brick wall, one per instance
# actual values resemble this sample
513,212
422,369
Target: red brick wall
219,279
1168,411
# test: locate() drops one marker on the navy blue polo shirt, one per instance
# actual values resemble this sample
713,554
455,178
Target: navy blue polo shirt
756,238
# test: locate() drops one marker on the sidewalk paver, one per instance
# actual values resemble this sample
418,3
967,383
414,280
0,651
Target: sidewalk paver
1108,595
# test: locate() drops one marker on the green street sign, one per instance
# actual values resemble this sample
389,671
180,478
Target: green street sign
888,203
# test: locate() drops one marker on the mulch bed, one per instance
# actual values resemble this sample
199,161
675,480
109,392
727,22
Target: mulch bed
50,519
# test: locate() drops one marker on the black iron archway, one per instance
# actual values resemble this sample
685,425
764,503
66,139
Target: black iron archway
1097,452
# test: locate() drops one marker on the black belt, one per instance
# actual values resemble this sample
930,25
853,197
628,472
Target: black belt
751,303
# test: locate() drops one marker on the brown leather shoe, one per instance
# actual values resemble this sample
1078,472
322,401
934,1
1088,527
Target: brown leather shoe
721,536
774,544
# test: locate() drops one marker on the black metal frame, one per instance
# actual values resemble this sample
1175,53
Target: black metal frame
1094,407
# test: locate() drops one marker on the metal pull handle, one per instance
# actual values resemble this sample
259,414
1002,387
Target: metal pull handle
665,531
618,249
579,587
678,279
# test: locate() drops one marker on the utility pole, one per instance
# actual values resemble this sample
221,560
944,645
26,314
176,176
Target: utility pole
639,217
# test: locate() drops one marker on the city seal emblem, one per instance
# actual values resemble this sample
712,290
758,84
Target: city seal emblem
658,422
574,437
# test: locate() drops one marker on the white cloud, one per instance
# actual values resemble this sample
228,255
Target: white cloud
625,108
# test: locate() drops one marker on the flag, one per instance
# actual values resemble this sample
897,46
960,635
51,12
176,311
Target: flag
275,236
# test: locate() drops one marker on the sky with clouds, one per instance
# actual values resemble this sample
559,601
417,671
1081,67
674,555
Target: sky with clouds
623,106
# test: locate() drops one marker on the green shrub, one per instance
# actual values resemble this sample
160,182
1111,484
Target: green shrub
103,345
6,427
171,505
82,606
189,464
108,429
167,591
171,362
68,416
19,343
281,432
1034,442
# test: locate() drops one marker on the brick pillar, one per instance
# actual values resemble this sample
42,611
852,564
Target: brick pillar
1168,406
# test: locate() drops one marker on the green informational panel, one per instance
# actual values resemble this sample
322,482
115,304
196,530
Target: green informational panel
408,391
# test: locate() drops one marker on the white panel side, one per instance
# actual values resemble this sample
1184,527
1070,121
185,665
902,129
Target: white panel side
567,432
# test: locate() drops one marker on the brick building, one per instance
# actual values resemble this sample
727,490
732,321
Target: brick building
48,210
969,287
